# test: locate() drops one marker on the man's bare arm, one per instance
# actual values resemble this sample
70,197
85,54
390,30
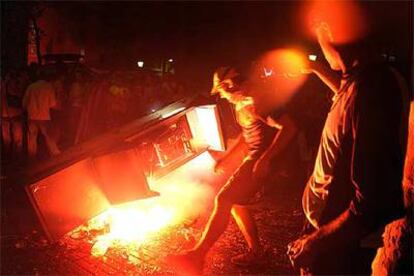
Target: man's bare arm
286,130
237,145
328,76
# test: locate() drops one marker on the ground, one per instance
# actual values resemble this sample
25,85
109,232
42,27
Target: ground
25,250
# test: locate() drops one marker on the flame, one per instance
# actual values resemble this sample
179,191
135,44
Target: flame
288,67
184,195
131,223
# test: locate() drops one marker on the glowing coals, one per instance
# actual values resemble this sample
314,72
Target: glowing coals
131,223
183,197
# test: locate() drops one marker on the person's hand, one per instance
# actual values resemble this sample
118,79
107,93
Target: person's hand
302,251
223,86
261,168
312,67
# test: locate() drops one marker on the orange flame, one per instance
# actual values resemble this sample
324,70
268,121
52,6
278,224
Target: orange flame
288,69
184,195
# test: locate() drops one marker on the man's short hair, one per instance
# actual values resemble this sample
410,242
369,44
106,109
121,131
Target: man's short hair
224,73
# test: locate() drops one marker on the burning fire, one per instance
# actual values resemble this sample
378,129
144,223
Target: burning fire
131,223
134,224
284,71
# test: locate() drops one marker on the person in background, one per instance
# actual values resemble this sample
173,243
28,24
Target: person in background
171,90
12,90
265,138
38,99
355,188
118,96
395,257
139,101
57,113
76,101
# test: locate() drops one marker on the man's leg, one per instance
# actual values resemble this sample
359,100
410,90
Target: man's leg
238,188
191,263
17,131
216,225
247,226
32,132
5,134
50,142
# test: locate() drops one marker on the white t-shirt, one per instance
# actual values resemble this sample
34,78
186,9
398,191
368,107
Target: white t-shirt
38,99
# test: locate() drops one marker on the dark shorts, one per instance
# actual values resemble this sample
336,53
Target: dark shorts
241,188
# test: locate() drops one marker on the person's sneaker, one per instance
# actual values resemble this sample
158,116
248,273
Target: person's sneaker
187,264
249,258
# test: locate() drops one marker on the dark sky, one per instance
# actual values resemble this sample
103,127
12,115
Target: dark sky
228,29
176,23
207,34
203,35
199,36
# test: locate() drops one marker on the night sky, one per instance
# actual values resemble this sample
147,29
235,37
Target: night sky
199,36
208,34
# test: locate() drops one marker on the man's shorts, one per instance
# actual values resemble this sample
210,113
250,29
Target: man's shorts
241,188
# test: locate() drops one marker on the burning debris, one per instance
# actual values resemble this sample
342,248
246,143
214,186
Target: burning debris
146,230
138,233
131,225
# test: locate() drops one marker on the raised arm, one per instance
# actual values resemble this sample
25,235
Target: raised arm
328,76
286,131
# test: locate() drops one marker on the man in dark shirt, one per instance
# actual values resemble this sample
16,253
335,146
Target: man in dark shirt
355,187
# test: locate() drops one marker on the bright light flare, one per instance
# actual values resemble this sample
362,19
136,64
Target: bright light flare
312,57
130,223
288,67
136,221
284,63
267,72
344,18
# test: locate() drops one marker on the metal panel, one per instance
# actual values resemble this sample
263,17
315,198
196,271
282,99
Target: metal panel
121,177
68,198
204,122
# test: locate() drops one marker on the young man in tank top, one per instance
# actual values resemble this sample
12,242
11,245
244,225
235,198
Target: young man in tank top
264,138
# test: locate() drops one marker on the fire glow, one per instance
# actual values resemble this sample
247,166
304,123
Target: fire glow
130,224
286,70
134,224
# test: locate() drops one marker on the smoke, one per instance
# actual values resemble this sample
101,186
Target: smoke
188,190
276,76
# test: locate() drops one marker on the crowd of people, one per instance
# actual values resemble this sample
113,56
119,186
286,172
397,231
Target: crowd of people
354,188
54,101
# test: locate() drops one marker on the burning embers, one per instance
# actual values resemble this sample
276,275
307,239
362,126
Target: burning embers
139,231
153,222
132,239
130,224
